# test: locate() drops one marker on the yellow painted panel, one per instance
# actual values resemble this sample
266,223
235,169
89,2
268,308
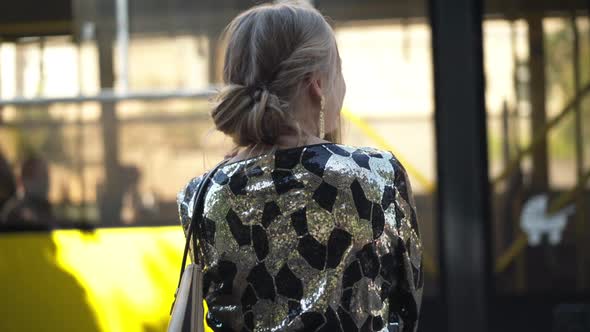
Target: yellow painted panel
118,279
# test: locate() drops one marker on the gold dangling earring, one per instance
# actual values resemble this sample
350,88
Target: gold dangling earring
322,120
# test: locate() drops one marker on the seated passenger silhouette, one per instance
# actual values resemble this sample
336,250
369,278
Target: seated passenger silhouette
30,204
7,182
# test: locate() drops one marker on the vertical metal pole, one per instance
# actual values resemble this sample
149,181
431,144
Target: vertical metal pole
122,14
505,134
83,213
515,129
19,70
462,163
1,107
41,82
110,209
516,179
540,176
579,141
213,41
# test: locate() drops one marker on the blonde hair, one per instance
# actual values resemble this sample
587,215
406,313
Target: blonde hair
271,50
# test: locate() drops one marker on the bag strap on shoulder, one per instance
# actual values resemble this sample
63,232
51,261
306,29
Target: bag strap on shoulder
196,219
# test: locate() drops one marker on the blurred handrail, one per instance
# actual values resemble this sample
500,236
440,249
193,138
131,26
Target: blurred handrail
111,96
538,138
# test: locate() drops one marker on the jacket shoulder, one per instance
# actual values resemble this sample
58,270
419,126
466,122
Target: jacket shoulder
185,199
366,156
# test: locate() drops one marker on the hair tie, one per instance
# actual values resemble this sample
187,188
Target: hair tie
256,91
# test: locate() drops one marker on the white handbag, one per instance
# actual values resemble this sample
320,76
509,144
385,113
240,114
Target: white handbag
187,311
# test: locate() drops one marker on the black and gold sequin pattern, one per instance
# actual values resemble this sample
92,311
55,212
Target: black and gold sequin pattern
316,238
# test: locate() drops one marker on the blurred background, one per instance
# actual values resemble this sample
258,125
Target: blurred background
104,117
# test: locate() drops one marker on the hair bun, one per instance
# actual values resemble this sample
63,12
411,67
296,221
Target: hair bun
250,115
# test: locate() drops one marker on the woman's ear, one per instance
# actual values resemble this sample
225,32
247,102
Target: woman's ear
315,88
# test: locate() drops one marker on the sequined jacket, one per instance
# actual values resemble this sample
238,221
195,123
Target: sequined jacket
315,238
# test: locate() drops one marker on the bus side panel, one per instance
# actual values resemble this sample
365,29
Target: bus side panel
116,279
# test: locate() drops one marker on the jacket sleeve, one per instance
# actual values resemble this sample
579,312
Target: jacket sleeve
406,295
